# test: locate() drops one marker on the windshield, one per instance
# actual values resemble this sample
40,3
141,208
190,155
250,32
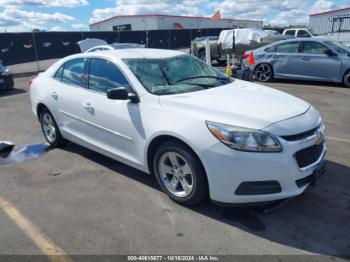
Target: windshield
175,75
338,47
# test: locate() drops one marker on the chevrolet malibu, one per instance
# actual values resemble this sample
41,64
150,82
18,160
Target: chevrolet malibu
167,113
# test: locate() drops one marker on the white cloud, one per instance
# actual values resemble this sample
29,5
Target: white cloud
79,26
46,3
57,28
322,6
15,19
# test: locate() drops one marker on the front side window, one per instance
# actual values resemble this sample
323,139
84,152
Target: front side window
104,75
174,75
314,48
73,72
290,47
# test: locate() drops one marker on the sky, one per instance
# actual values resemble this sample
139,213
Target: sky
76,15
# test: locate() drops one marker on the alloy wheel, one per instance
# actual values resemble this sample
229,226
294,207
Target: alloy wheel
49,127
176,174
263,72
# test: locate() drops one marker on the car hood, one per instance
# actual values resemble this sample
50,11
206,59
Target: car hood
240,103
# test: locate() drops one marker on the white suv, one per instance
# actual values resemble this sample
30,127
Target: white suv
170,114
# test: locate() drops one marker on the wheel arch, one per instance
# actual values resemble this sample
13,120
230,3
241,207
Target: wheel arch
158,140
39,108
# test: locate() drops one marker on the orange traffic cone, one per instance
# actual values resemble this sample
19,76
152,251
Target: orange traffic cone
251,59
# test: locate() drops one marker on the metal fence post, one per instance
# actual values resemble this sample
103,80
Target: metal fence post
36,53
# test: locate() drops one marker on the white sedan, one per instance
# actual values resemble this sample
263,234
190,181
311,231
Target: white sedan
167,113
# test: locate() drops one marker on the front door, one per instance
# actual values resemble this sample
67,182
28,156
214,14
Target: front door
114,126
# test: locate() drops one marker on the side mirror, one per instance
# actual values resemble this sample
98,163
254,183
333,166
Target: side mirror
120,93
330,53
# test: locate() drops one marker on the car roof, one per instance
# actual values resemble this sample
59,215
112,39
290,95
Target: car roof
304,39
147,53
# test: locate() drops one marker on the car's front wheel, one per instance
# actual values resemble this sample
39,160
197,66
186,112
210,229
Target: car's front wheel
263,72
180,174
346,79
50,129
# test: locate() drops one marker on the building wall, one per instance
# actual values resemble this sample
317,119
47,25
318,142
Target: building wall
322,23
168,22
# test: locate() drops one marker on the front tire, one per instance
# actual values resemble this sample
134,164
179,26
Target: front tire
346,79
50,129
263,72
180,174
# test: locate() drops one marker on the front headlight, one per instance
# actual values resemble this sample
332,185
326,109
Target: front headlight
245,139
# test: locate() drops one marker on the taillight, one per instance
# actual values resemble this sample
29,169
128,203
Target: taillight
245,56
31,80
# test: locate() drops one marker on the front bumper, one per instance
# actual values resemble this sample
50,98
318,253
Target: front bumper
228,169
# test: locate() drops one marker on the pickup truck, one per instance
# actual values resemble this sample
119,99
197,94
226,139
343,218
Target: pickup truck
297,32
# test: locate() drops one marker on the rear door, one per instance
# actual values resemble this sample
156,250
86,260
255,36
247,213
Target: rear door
314,64
285,59
66,97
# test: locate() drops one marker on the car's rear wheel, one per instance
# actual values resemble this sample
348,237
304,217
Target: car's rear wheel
180,174
263,72
50,129
346,79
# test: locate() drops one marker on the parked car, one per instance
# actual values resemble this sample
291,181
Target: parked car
114,46
95,45
318,59
297,32
201,133
6,78
219,55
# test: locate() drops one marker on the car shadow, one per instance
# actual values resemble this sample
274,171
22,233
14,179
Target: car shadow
318,221
12,92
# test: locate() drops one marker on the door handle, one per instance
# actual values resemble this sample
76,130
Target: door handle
306,58
54,95
89,106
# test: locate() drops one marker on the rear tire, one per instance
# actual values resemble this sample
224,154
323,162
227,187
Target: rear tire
180,174
50,129
346,79
263,72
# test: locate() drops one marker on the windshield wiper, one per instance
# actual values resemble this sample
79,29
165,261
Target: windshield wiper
197,77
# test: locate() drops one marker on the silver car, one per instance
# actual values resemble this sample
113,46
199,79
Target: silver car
317,59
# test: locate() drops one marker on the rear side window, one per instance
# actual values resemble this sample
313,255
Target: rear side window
104,75
303,33
290,47
58,74
314,48
73,72
290,32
